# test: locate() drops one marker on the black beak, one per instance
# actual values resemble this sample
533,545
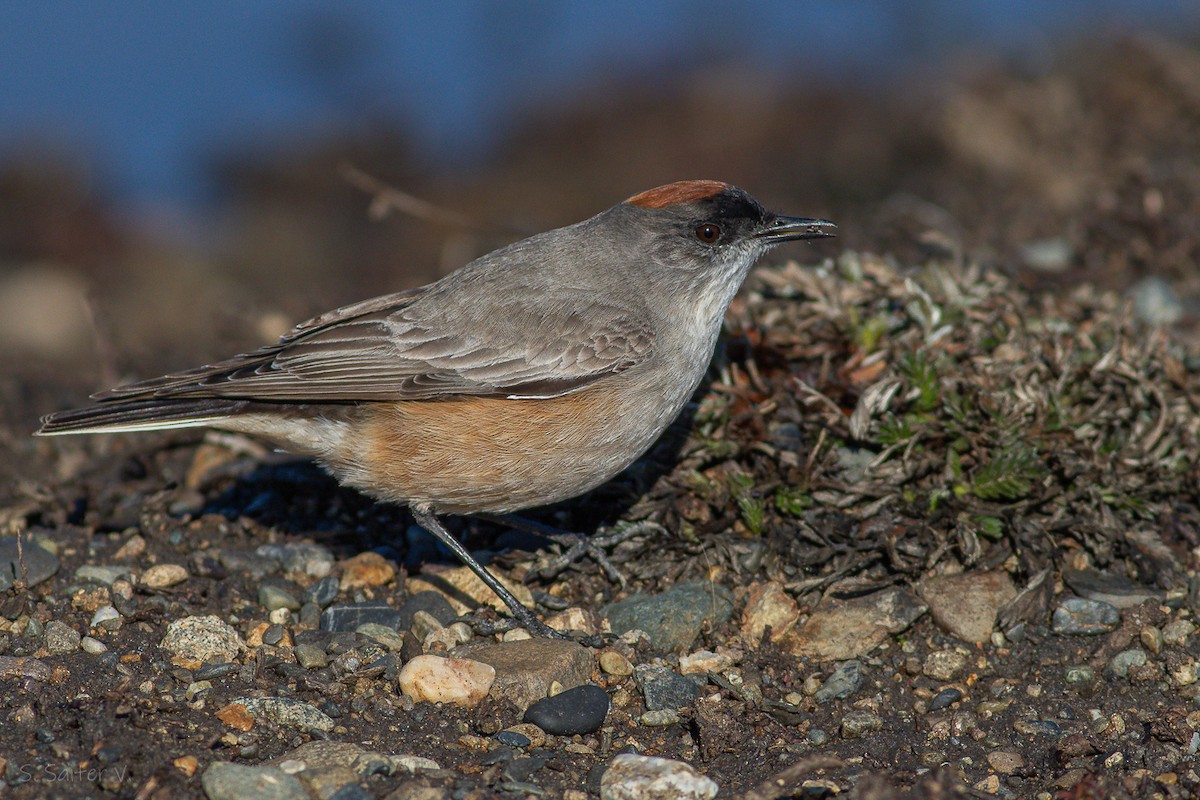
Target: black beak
786,229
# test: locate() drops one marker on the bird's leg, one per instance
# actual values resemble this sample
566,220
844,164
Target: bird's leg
528,620
579,545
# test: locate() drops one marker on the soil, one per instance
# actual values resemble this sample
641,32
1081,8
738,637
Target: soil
994,370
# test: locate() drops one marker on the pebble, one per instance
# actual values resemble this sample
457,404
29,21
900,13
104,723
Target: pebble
845,629
365,570
1126,659
663,688
1152,639
61,638
92,646
841,683
513,738
527,670
432,603
1006,762
458,681
286,712
1156,302
1079,617
674,618
704,661
945,698
1079,675
944,665
636,777
33,564
817,737
106,617
966,605
310,656
583,620
349,616
272,597
1177,631
768,606
576,711
103,575
613,663
660,718
535,735
301,560
1052,255
204,639
859,723
162,576
227,781
1038,727
323,592
388,637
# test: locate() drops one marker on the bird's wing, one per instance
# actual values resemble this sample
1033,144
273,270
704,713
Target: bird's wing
394,348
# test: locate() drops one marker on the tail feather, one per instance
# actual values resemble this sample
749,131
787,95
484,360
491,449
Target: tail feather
140,415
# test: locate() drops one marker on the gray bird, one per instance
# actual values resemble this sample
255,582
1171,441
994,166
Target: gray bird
533,374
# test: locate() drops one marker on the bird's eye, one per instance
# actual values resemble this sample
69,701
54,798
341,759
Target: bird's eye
708,233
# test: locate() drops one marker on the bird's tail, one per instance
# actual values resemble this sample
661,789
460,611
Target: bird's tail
147,414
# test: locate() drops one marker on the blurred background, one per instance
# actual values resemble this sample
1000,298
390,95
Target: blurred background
174,186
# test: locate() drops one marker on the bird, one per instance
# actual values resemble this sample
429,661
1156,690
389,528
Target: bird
531,375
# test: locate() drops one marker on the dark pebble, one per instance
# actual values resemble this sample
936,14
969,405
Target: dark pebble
273,635
944,699
520,769
513,739
38,563
578,710
208,672
1078,617
664,689
350,616
843,682
430,602
323,592
499,755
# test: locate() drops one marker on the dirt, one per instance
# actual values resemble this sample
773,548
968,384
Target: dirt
981,396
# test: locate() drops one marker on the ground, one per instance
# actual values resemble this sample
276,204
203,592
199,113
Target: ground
917,444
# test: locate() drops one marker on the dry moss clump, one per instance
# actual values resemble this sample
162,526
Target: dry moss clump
875,422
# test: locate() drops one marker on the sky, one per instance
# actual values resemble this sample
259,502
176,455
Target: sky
147,93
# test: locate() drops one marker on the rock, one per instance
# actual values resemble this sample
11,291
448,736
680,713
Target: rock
386,636
583,620
1123,661
768,605
674,618
106,617
203,639
227,781
944,665
660,718
367,569
1177,631
432,603
1156,302
662,688
840,630
92,646
613,663
526,669
24,667
273,597
349,616
1078,617
636,777
61,638
859,723
286,712
704,661
843,682
465,591
1053,255
323,592
1006,762
1110,588
33,564
579,710
966,605
310,656
945,698
162,576
101,574
458,681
